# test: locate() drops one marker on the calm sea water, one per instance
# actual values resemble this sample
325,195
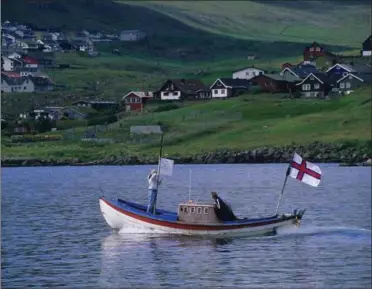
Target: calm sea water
53,234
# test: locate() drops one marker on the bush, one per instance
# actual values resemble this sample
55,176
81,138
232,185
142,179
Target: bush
66,124
102,120
35,138
167,107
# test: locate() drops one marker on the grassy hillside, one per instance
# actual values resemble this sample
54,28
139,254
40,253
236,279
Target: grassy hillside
242,123
330,22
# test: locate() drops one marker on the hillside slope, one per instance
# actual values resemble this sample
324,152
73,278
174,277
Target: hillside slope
330,22
250,121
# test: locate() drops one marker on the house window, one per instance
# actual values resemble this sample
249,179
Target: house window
311,77
306,87
215,91
318,49
223,91
342,85
344,73
25,88
260,73
316,86
165,93
348,85
181,209
311,49
205,211
192,210
199,210
185,209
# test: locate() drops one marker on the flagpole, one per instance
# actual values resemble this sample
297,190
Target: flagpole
158,178
189,185
281,193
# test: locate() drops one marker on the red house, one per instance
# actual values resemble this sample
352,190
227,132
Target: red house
315,50
276,83
30,61
286,65
136,100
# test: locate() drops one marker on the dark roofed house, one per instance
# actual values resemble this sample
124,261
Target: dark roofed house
180,89
367,47
353,81
96,104
316,85
276,83
229,87
300,71
42,83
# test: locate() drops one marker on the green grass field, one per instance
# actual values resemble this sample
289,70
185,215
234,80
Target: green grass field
247,122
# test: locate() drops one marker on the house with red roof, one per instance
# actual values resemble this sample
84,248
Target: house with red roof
14,82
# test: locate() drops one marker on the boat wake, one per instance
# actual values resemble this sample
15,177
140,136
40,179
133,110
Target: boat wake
323,231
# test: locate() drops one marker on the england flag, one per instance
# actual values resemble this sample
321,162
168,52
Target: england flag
305,171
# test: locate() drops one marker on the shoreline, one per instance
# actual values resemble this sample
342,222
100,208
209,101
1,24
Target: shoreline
347,154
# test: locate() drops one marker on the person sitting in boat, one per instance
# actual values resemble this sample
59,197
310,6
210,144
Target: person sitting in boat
153,179
223,210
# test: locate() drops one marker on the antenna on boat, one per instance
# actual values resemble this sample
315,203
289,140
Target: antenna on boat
190,184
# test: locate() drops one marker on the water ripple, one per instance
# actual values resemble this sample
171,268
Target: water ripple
54,236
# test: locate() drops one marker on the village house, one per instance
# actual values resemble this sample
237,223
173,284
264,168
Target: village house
275,82
96,104
367,47
26,71
10,64
14,82
77,113
315,50
315,85
352,81
180,89
300,71
29,62
132,35
248,73
136,100
229,87
341,70
44,59
42,84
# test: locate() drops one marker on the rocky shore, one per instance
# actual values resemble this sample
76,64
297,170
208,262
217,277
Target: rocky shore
344,153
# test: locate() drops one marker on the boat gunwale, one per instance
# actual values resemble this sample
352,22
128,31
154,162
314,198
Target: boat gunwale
149,218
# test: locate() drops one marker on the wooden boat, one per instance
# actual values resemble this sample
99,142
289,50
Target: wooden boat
192,218
200,219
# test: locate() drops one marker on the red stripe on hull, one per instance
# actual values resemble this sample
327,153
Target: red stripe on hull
191,227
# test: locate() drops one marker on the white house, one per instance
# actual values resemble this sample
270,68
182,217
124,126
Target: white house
16,84
132,35
228,87
248,73
8,64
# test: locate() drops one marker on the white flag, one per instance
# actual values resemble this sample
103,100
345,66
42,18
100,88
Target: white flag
305,171
166,167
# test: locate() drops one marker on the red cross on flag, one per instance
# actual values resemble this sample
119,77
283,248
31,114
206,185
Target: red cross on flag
305,171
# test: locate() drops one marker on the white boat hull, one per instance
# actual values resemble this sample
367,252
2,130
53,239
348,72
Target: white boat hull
120,220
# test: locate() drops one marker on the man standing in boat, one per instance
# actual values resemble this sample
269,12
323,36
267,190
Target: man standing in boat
223,211
154,182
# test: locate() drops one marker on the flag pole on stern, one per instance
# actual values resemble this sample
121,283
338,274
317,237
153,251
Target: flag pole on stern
303,171
281,193
159,163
